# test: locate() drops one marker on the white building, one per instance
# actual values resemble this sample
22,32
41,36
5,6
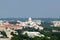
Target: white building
1,35
38,22
32,23
56,23
33,34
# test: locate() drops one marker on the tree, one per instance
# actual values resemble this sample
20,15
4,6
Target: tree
25,36
53,38
37,38
47,34
45,38
4,33
16,38
12,33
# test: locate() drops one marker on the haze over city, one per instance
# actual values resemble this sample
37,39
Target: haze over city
29,8
29,19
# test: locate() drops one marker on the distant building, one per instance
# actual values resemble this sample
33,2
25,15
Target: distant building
29,19
55,30
56,23
6,25
33,34
32,23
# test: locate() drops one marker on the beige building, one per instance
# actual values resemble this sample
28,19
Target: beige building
56,23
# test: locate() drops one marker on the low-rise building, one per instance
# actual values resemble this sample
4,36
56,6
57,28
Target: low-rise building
56,23
33,34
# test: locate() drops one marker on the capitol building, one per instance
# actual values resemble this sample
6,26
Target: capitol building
32,23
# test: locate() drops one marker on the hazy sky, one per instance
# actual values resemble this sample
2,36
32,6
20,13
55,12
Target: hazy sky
29,8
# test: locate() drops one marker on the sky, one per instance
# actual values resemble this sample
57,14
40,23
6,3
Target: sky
29,8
